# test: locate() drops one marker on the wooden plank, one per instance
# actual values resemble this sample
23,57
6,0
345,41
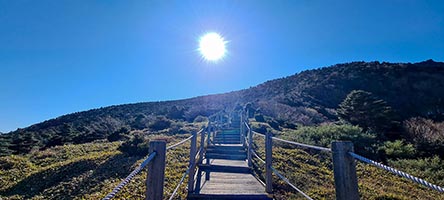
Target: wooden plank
268,163
193,151
230,176
227,183
226,147
344,169
225,156
156,171
226,169
229,196
236,163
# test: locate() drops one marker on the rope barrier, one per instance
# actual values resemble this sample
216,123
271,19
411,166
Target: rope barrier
246,124
288,182
298,144
263,135
180,183
129,177
397,172
179,143
257,156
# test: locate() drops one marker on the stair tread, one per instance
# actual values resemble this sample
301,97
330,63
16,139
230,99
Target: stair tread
225,156
225,169
229,196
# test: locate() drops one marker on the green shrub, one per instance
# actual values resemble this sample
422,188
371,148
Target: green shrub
364,109
432,169
160,123
365,143
200,119
176,128
260,127
259,118
427,135
118,135
136,144
273,124
398,149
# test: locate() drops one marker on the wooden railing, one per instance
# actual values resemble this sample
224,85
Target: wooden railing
344,165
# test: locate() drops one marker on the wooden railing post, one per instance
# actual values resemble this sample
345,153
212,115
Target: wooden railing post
344,169
210,129
242,130
156,171
250,143
201,152
193,152
209,133
268,161
202,145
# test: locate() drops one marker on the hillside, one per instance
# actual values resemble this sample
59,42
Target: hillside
392,112
307,98
91,170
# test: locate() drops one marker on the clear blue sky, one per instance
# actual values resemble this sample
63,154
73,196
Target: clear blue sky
60,56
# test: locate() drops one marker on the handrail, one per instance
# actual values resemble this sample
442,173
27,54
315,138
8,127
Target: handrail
188,169
397,172
246,124
180,183
179,143
298,144
288,182
258,157
129,177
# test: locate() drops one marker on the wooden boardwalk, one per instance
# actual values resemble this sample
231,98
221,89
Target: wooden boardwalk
225,173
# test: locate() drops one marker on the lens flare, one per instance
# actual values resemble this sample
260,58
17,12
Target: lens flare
212,46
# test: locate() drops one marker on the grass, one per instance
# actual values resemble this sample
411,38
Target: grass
90,171
312,172
86,171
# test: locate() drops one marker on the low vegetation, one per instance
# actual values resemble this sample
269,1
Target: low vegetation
311,171
392,112
84,171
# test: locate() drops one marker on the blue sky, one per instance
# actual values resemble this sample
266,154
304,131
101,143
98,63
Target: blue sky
60,56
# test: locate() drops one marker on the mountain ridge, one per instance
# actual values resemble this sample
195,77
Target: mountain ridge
309,97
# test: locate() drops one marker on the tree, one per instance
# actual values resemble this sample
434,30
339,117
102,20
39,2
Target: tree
23,143
160,123
364,109
5,142
176,113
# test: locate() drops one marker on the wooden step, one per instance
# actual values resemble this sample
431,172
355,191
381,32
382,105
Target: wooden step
231,132
226,138
225,169
227,151
227,142
228,196
225,147
225,156
235,153
227,135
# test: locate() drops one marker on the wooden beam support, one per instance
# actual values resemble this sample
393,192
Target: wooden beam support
156,171
344,169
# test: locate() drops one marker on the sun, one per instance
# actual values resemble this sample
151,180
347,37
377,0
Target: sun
212,46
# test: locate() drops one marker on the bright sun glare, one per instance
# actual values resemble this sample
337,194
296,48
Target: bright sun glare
212,46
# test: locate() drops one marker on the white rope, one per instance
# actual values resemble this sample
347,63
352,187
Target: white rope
395,171
246,124
129,177
257,156
180,183
299,144
288,182
179,143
